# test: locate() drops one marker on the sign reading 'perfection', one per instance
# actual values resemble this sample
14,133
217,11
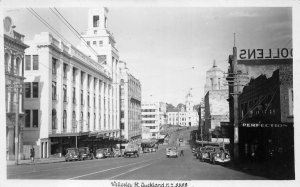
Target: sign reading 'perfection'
252,54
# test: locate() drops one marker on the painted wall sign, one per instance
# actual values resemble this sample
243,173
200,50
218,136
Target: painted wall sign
254,54
272,125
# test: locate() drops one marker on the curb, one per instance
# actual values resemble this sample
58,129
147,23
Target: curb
34,163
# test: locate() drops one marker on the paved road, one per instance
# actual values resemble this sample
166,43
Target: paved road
150,166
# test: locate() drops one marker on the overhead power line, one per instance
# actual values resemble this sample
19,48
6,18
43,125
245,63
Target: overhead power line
35,14
72,29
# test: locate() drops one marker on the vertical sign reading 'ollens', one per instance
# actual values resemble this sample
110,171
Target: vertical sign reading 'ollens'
255,54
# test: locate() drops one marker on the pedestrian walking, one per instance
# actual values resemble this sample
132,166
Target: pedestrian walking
181,153
32,154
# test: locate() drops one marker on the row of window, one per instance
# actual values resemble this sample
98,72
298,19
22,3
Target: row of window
95,42
176,119
148,121
74,122
148,110
148,116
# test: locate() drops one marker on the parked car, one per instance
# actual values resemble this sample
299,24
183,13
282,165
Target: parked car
85,153
171,152
180,139
198,152
220,155
117,152
108,152
100,153
72,154
205,153
146,150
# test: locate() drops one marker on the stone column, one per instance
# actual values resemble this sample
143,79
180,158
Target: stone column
97,108
102,112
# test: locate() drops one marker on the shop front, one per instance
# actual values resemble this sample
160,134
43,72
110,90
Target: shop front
267,142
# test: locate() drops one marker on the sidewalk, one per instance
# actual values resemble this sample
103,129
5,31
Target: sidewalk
265,169
36,161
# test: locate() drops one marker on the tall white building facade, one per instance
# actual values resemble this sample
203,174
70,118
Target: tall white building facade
104,51
131,127
71,96
153,118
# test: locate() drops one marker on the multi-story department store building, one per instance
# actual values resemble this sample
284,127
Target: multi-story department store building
72,97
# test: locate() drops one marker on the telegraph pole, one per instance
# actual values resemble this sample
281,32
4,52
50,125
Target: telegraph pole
200,124
235,106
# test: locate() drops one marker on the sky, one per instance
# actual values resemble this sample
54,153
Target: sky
169,49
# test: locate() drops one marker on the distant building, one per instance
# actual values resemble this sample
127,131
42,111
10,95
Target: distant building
14,80
153,118
184,115
131,122
215,100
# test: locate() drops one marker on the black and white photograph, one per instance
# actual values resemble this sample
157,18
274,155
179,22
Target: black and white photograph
149,94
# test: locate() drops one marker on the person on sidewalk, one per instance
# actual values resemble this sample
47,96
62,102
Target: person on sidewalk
32,154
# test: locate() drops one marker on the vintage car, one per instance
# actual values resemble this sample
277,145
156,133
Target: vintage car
108,152
193,150
72,154
220,155
205,153
146,150
100,153
198,152
117,153
171,152
85,153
